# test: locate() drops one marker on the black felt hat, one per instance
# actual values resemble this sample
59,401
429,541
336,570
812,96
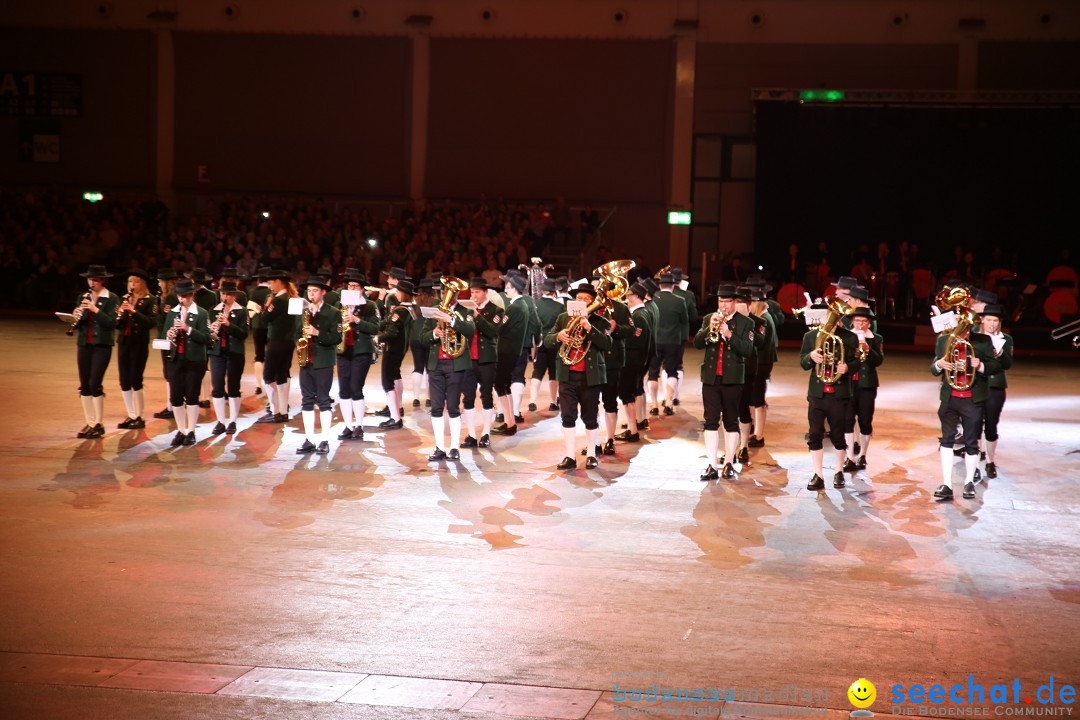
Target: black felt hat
727,292
97,272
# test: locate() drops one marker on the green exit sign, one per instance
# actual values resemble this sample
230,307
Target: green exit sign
675,217
93,197
821,95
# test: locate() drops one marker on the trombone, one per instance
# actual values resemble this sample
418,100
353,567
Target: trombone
1067,329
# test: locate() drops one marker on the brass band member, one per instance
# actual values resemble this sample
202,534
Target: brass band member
187,326
620,328
483,350
259,294
579,385
681,282
996,383
639,347
206,299
534,339
280,345
137,317
446,373
512,333
548,308
321,326
671,333
167,300
864,389
230,330
356,357
727,338
970,364
95,321
426,296
828,400
743,298
394,335
766,358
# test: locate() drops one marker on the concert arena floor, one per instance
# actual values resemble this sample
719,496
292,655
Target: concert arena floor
239,580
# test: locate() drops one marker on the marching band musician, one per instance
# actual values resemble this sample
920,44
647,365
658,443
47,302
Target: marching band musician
259,294
206,299
962,407
743,298
512,331
187,327
95,320
651,289
864,385
483,350
231,274
548,308
727,337
446,375
995,399
426,296
639,346
356,357
621,327
280,345
828,401
671,333
166,278
229,331
766,358
394,335
321,326
390,298
534,339
137,316
691,322
579,385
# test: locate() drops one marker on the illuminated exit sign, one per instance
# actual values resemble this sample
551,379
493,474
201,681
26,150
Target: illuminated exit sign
678,218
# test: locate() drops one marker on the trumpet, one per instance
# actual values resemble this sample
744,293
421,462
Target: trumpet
714,335
78,312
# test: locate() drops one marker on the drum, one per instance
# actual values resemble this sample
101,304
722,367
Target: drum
790,296
1059,303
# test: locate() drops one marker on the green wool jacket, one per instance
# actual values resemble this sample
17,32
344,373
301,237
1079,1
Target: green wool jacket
104,320
206,298
767,355
639,343
259,293
874,357
237,331
197,339
737,349
515,326
280,325
364,330
395,329
691,309
487,323
141,321
533,334
464,325
595,370
615,358
984,350
673,317
548,309
168,302
851,358
997,380
323,348
760,347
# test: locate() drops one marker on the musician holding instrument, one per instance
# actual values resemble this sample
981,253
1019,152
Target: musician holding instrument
280,345
512,333
448,335
187,327
681,279
548,308
671,332
206,299
480,376
727,337
620,328
355,356
135,318
166,301
830,353
320,326
95,321
394,335
864,385
639,347
964,360
259,294
228,335
991,317
581,342
766,358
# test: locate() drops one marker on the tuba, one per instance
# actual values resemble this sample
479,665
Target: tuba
303,345
958,350
613,286
453,343
828,343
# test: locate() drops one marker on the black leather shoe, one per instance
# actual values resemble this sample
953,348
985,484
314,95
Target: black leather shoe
855,449
597,451
944,493
860,464
85,430
165,414
958,452
454,454
991,470
643,425
504,429
838,480
709,474
416,402
485,441
729,472
204,404
307,447
385,412
978,475
281,418
675,402
532,407
189,440
553,407
609,447
391,424
722,461
500,418
850,466
219,429
267,418
258,391
744,457
98,431
125,424
591,463
668,410
469,442
231,429
816,483
982,455
755,442
568,463
178,439
969,490
137,424
427,403
654,412
627,436
357,433
323,449
519,419
436,456
346,434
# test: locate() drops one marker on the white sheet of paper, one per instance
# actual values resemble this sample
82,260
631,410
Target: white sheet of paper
684,284
350,297
944,321
575,308
296,306
161,344
467,304
65,317
815,317
428,312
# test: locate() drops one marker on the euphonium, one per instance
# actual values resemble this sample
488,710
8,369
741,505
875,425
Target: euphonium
453,343
829,344
613,286
957,350
303,345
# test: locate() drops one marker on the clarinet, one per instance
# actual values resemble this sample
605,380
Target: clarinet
79,313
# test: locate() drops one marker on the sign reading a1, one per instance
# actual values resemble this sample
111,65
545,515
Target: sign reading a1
675,217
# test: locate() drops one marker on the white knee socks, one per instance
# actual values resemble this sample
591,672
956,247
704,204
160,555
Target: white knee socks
219,408
569,440
712,446
455,432
309,425
129,403
234,409
946,465
438,424
326,423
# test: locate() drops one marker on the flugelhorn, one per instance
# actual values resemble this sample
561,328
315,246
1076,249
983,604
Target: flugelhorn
714,335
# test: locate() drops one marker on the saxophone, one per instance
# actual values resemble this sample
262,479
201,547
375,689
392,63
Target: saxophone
344,328
303,345
613,286
453,343
829,344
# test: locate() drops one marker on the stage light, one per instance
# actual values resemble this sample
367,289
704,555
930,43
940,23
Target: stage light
266,215
821,95
372,242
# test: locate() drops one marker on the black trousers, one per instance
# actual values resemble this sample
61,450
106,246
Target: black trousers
131,357
721,401
544,364
279,356
391,370
992,412
480,377
504,373
225,373
861,407
630,379
609,391
669,357
444,385
185,382
833,409
965,413
682,349
315,387
420,357
745,396
166,366
352,374
760,385
576,392
258,335
518,375
93,361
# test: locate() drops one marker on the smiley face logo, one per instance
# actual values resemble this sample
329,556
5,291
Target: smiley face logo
862,693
